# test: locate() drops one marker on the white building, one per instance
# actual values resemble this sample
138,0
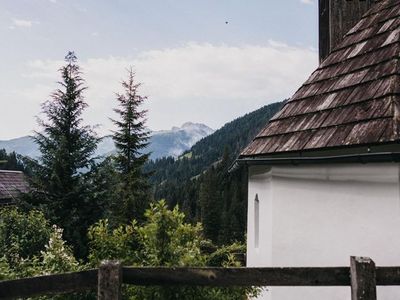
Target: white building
324,174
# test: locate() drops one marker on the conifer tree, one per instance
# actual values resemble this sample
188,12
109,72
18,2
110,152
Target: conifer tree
66,148
131,139
211,204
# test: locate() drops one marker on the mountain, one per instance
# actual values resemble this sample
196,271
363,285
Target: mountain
22,145
199,181
177,140
162,143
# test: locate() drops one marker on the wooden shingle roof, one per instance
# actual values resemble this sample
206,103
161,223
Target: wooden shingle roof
352,99
12,183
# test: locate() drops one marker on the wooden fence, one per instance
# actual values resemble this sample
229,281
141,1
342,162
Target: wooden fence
362,276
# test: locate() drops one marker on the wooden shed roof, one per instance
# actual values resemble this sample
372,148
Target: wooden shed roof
12,183
352,99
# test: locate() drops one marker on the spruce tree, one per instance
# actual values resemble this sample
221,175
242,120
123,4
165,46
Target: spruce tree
211,204
131,139
66,148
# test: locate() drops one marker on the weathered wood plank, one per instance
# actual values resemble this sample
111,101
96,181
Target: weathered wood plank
336,276
387,276
363,278
49,285
224,277
109,280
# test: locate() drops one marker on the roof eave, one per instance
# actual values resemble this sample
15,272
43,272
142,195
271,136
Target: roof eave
362,158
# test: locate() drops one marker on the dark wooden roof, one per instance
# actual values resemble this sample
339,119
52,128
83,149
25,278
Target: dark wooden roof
12,183
352,99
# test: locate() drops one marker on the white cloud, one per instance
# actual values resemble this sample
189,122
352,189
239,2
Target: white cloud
22,23
195,82
307,1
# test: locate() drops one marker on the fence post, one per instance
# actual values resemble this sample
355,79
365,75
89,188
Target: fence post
363,278
109,280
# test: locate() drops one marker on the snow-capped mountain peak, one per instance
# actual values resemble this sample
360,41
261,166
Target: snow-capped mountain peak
175,141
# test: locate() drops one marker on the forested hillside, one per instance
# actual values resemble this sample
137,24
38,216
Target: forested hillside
199,181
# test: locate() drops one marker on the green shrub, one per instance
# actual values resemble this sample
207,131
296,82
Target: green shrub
22,235
106,243
164,239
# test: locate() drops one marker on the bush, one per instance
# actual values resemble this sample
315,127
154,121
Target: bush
106,243
30,247
22,235
164,239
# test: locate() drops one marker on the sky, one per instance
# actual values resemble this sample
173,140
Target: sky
205,61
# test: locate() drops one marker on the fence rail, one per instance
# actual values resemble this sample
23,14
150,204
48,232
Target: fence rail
362,276
49,285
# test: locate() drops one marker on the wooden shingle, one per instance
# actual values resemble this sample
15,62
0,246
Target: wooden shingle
12,183
352,98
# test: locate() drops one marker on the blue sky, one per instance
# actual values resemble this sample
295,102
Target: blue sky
194,66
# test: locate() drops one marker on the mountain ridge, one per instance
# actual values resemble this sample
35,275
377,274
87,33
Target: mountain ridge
163,143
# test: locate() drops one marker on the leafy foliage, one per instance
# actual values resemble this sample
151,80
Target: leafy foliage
107,243
163,240
22,235
57,256
166,240
31,247
28,241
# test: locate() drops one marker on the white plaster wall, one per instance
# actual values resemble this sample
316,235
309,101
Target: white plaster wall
320,215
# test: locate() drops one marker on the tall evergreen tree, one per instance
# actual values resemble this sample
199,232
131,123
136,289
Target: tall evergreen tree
211,204
66,148
131,139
